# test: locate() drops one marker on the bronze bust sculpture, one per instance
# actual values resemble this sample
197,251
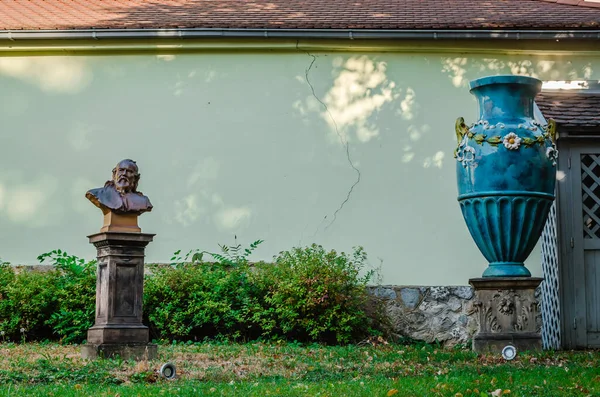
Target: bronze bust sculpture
120,195
118,329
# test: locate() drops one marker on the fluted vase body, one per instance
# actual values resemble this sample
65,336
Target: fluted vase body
506,172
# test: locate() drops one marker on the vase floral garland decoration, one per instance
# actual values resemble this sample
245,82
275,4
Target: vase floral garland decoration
465,154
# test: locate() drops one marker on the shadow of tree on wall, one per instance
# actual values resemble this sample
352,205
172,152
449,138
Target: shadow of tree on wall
462,69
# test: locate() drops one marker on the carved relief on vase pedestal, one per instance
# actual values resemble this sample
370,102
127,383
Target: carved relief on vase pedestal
526,320
507,312
487,319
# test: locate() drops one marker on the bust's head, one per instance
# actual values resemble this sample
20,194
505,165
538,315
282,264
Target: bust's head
126,176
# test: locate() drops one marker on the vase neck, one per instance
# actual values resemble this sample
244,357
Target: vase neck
505,100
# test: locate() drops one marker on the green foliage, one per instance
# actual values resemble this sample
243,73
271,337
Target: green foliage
196,299
7,278
38,304
311,294
28,300
230,256
306,294
75,291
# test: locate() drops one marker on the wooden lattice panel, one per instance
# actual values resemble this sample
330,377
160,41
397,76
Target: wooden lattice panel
550,298
590,195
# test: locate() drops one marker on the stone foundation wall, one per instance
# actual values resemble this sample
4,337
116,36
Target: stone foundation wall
33,268
443,314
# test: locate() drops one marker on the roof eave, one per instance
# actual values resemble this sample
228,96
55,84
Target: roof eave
350,34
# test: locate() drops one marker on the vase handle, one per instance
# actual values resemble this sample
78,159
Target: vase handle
461,129
552,130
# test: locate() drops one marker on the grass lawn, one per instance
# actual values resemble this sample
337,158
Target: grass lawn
259,369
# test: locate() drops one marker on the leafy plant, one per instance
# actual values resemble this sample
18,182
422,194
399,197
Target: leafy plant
231,256
28,300
37,305
312,294
194,299
306,294
7,278
75,293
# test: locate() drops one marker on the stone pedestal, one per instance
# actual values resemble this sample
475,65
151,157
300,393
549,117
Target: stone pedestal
118,330
507,311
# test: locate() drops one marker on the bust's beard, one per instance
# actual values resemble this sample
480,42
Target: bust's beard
121,190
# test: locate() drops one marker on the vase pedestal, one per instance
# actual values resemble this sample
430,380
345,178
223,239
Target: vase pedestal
118,329
508,313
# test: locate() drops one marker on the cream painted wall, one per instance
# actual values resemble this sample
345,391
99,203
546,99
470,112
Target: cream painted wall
237,144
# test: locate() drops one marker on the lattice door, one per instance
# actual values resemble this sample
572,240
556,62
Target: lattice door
583,259
590,195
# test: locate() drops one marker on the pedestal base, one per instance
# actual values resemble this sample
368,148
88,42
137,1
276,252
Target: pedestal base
494,343
118,334
143,352
507,312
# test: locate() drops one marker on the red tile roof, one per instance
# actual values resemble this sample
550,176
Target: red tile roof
570,109
299,14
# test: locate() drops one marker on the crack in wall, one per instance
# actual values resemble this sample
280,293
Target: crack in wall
343,141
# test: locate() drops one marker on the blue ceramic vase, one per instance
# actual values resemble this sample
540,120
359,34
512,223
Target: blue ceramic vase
506,172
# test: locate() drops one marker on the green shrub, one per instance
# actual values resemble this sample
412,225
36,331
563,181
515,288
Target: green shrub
194,299
75,294
311,294
306,294
28,300
7,278
37,305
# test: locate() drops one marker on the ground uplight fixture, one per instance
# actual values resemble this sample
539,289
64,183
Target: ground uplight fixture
509,352
167,371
